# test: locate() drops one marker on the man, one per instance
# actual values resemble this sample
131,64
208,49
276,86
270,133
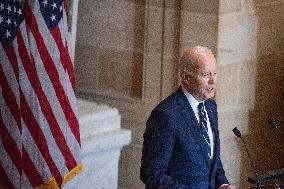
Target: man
181,148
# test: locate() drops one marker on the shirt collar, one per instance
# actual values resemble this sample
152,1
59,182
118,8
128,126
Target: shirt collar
192,101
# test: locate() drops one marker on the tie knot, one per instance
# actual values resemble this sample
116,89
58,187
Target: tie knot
200,107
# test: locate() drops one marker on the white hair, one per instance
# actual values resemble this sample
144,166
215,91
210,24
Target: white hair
191,56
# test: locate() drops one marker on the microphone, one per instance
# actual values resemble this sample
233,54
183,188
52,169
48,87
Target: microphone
272,123
238,134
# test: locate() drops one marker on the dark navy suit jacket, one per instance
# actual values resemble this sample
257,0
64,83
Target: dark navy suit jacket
173,154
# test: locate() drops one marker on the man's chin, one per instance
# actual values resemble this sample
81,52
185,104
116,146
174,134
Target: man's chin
210,96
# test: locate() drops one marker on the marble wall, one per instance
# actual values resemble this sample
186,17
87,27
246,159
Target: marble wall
251,88
111,44
127,59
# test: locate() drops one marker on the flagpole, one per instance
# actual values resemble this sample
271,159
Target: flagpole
74,15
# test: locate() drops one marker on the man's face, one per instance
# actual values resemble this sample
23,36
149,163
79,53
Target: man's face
201,82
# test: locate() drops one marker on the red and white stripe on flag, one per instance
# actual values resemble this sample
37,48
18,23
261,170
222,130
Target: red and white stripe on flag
39,129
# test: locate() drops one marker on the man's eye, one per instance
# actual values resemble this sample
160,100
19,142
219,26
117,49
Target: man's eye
205,74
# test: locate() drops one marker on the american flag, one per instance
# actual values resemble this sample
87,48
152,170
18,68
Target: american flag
39,130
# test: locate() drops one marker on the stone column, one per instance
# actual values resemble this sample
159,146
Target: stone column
101,140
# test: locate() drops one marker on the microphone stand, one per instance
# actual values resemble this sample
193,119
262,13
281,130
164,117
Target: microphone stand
258,185
238,134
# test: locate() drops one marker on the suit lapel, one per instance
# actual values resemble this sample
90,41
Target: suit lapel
191,120
212,114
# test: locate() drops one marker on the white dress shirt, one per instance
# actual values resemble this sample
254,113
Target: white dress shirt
194,103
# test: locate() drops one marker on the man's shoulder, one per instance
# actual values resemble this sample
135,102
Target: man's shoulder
169,104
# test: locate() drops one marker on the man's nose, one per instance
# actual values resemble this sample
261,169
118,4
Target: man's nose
212,78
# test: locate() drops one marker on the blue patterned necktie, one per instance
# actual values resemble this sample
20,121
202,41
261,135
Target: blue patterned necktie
203,122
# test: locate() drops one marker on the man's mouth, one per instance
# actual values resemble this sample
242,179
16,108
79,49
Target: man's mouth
210,89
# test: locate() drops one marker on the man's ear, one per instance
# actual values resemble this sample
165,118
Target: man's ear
186,76
183,76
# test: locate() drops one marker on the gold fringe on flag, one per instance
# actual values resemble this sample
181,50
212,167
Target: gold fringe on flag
69,176
51,184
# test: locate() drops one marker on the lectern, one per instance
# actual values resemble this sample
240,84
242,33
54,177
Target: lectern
270,180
